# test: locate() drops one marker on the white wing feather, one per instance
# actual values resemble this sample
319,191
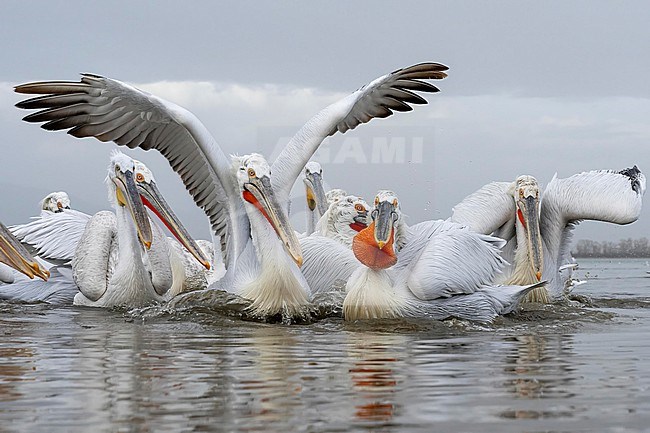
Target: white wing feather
110,110
53,236
601,195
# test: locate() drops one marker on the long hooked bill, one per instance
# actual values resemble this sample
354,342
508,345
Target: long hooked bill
315,193
528,214
384,223
260,193
14,254
128,195
154,200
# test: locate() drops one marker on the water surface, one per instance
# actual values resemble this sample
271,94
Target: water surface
555,368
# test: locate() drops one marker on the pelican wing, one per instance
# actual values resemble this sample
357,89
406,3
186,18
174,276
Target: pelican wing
487,210
380,98
326,261
442,259
53,236
110,110
601,195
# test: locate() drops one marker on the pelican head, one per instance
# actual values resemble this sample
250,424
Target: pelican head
123,192
152,198
350,213
254,180
526,197
56,202
314,187
375,245
14,254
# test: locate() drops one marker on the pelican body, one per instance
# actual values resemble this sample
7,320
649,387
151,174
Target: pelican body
601,195
120,259
437,269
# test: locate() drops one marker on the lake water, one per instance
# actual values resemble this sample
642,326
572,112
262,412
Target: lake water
547,369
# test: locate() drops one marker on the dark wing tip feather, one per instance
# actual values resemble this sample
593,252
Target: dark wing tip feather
633,175
88,74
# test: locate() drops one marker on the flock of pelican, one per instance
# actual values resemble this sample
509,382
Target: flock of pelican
505,244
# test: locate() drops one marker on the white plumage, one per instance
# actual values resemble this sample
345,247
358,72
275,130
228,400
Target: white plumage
442,269
601,195
110,266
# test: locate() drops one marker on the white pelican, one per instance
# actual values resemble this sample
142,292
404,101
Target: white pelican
343,219
247,215
14,255
506,209
315,194
56,202
437,268
120,259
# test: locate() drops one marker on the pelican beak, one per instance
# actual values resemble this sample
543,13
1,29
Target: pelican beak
528,215
128,195
14,254
315,193
373,246
360,221
258,191
154,200
383,223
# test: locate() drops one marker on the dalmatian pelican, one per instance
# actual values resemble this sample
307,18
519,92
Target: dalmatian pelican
56,202
343,219
120,259
509,210
317,203
246,210
437,269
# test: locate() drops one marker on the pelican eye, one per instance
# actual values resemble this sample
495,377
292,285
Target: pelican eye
251,172
521,193
395,203
376,201
359,207
139,177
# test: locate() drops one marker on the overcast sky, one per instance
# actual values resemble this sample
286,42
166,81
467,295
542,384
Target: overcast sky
533,88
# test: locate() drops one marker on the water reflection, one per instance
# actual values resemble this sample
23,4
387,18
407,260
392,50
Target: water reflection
540,367
376,362
268,389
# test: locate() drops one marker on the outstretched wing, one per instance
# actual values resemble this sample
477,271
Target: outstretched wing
600,195
53,236
388,93
485,211
110,110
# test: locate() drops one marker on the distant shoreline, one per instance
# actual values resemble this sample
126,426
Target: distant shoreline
623,249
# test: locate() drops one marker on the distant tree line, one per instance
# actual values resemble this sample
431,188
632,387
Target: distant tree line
624,248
